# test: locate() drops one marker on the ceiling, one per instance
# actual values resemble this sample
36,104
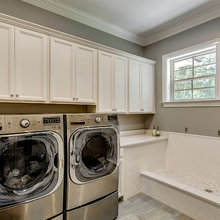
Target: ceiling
140,21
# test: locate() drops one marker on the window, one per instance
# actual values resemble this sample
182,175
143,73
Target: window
193,78
191,75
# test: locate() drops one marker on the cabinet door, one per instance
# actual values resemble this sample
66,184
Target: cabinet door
120,84
105,82
7,61
62,70
147,88
86,74
134,86
31,65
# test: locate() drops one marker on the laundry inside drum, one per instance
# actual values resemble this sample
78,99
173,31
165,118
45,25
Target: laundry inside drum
23,164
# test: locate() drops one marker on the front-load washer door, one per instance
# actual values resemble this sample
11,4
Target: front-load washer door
93,153
29,166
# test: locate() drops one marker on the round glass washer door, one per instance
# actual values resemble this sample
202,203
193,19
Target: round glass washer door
93,153
28,166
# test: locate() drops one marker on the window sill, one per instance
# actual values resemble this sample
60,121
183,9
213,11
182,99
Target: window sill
188,104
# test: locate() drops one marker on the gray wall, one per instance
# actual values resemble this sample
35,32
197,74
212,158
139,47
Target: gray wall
28,12
200,120
131,122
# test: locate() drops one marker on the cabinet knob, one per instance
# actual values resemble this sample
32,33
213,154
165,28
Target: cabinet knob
74,98
77,98
11,95
17,95
142,109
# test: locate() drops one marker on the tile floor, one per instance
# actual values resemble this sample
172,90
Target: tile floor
142,207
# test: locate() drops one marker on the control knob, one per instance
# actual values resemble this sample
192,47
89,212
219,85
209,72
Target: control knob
98,119
25,123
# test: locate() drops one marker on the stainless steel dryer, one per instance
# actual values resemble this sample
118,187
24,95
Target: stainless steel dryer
92,167
31,167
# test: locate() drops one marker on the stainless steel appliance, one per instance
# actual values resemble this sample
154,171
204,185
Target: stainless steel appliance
31,167
92,167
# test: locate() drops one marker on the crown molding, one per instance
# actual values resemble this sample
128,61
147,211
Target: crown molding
77,15
17,22
84,18
188,23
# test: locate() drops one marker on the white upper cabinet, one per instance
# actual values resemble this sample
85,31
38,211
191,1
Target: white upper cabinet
62,70
73,72
120,84
134,86
36,67
31,65
86,74
148,88
141,87
112,88
105,82
7,61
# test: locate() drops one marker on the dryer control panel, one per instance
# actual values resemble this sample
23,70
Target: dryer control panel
81,120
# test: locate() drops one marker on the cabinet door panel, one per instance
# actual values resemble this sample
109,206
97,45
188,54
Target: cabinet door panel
147,88
62,74
86,74
134,86
31,65
7,61
105,82
120,84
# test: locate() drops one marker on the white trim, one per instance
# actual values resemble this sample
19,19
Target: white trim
84,18
166,93
188,23
92,21
205,103
68,37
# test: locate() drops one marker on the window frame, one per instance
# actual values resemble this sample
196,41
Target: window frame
168,76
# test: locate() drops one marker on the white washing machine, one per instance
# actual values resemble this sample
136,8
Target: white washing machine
31,167
92,167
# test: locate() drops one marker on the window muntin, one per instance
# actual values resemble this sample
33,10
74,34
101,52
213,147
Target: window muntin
194,77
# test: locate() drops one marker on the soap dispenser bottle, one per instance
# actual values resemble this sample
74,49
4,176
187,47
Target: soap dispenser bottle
158,131
154,131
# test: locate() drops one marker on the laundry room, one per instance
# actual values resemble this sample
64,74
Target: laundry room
109,110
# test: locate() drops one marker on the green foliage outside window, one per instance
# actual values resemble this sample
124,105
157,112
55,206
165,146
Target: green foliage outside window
194,77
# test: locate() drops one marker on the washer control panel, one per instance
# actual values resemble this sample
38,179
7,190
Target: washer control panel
25,123
98,119
38,122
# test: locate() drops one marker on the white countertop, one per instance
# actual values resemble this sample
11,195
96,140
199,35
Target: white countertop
140,138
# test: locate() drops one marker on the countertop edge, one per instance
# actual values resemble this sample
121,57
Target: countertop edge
137,142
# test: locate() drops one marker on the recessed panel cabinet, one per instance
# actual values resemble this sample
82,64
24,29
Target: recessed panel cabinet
7,61
86,74
73,72
36,67
62,70
31,65
24,64
141,87
112,83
